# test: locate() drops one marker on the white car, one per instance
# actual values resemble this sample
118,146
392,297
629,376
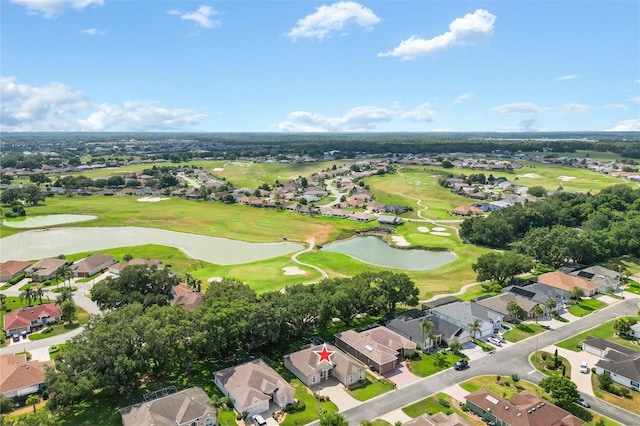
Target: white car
258,420
584,368
494,341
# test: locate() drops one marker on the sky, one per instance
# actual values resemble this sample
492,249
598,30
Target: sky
319,66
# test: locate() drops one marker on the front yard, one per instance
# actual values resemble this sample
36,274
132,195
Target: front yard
370,388
522,331
313,407
584,307
604,331
431,363
629,403
438,403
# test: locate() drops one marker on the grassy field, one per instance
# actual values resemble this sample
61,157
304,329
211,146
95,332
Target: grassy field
604,331
584,307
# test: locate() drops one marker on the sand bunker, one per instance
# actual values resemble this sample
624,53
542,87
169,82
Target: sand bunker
400,241
530,175
151,199
218,169
442,234
566,178
215,279
439,229
293,270
423,229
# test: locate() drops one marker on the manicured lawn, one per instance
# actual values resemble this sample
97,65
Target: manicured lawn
227,418
541,364
604,331
430,363
312,406
474,292
631,403
523,331
633,287
431,405
505,387
82,317
584,307
371,388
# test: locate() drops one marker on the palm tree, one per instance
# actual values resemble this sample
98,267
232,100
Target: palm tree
38,292
550,305
475,326
66,273
65,294
427,327
33,400
27,294
3,297
455,346
193,282
537,312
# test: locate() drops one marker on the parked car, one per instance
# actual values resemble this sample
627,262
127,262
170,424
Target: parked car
584,403
499,337
16,337
494,341
258,420
584,368
461,364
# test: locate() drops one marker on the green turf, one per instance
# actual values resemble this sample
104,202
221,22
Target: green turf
604,331
370,388
523,331
313,407
584,307
431,363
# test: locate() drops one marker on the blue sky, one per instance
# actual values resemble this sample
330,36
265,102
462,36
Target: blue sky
295,66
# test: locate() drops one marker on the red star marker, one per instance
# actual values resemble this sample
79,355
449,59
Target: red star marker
324,354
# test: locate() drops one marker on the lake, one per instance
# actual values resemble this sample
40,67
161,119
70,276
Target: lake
44,243
375,251
47,220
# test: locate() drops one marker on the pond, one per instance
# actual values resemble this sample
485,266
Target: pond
373,250
44,243
47,220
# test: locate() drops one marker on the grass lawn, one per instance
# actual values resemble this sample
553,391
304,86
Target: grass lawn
431,405
630,403
584,307
82,317
633,287
541,364
505,387
313,407
227,418
604,331
474,292
523,331
371,388
431,363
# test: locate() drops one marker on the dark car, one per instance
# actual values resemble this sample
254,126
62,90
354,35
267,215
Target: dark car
584,403
461,364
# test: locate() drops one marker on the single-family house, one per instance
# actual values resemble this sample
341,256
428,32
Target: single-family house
317,363
522,409
467,211
438,419
635,331
395,208
181,295
567,282
362,217
607,280
25,319
46,268
540,294
116,268
463,314
621,362
252,386
93,264
12,268
500,302
379,347
407,324
390,220
189,407
20,377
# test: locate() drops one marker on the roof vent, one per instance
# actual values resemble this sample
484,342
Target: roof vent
489,409
542,404
519,414
506,407
533,409
528,411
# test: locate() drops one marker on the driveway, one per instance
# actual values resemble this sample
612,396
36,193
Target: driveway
472,351
336,393
40,354
401,376
582,380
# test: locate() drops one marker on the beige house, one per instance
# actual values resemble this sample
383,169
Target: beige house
567,282
252,386
438,419
499,304
11,268
92,265
19,377
378,347
46,268
189,407
311,370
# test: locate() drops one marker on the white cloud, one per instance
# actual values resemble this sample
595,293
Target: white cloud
92,31
635,99
57,107
362,118
529,125
567,77
574,108
463,98
636,81
53,8
332,18
632,125
469,30
616,107
420,113
203,17
519,108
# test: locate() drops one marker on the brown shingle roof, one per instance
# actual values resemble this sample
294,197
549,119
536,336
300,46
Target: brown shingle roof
306,361
12,267
179,408
17,373
384,343
94,261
